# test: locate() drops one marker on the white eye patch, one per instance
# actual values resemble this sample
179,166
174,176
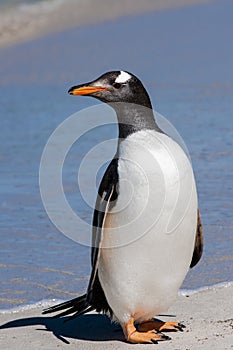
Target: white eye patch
123,77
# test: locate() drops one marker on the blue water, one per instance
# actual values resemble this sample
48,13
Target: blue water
184,57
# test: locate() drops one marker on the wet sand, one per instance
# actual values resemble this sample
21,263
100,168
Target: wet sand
207,315
27,22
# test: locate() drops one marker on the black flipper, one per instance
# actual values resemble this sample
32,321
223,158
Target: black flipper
95,298
199,242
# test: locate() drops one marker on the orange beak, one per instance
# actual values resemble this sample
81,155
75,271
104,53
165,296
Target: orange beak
85,90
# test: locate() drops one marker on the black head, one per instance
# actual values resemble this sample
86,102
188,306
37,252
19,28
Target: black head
116,86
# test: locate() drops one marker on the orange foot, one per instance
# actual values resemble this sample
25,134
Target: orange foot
161,326
150,336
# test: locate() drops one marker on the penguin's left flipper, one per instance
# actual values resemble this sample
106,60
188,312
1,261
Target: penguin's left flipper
160,326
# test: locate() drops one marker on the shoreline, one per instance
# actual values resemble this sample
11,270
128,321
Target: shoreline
30,21
206,314
50,302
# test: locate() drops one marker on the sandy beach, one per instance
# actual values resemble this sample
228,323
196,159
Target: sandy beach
27,22
207,315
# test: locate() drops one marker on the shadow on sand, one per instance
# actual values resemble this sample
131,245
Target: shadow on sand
90,327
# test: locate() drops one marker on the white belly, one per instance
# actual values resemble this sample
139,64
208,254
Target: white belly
145,257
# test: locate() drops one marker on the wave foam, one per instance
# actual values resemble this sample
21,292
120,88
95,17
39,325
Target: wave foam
50,302
24,19
39,304
187,292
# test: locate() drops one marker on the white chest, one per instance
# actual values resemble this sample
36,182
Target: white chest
149,234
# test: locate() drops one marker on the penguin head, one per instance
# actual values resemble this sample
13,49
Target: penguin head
115,86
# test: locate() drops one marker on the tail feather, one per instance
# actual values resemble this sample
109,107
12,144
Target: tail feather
77,306
79,313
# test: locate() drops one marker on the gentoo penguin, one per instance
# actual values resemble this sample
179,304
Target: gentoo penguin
147,228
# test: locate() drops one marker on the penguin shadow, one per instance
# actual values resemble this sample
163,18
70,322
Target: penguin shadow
89,327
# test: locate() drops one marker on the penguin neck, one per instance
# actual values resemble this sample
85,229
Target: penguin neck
133,118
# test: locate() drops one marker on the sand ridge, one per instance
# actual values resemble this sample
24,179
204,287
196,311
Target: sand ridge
26,22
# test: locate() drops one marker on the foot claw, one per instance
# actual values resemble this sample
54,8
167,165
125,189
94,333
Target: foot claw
154,341
162,336
181,325
165,337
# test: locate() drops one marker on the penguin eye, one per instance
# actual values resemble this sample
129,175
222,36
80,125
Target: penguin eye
117,85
